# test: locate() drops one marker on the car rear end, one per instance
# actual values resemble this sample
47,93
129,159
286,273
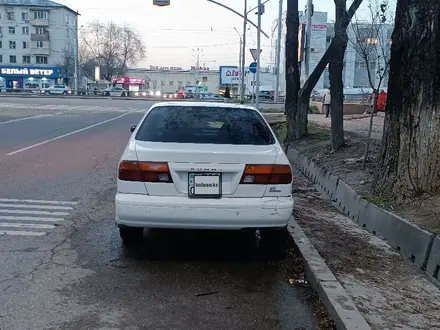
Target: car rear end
203,166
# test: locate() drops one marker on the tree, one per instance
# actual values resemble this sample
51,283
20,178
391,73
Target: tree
292,72
310,83
112,47
410,157
372,44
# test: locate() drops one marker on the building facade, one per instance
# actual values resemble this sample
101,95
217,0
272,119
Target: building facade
37,40
355,73
169,80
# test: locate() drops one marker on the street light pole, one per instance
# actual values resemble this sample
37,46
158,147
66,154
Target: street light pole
278,51
243,54
239,60
75,56
257,90
308,39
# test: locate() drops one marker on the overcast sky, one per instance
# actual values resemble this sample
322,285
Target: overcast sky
170,33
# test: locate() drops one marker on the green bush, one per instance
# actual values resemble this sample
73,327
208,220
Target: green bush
314,109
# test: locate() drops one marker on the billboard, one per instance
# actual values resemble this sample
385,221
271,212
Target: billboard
161,2
229,75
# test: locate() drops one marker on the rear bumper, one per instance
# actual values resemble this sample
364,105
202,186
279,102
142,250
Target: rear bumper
183,213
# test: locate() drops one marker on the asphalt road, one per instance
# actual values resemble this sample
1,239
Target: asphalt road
63,265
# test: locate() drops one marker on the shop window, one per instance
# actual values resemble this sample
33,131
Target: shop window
11,30
39,44
24,16
41,59
12,59
171,83
204,79
41,15
25,44
26,59
25,30
12,45
180,83
11,16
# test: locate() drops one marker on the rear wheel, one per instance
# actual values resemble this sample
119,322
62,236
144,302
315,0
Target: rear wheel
107,94
123,94
131,235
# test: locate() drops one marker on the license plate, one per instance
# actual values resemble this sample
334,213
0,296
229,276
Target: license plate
204,185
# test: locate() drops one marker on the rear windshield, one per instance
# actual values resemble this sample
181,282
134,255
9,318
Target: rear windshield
213,125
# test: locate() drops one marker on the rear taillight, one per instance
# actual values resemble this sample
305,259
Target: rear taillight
266,174
144,172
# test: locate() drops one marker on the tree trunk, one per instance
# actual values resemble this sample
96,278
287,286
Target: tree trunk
370,128
409,164
294,117
336,68
312,80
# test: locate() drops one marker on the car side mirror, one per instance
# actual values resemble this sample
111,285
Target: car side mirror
132,128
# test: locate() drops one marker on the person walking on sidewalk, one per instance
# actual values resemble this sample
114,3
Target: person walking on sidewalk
326,100
381,100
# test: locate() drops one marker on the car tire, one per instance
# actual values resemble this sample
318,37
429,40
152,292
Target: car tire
107,94
131,235
123,94
64,93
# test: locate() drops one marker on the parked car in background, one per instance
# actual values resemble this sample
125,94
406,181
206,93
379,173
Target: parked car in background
58,90
115,91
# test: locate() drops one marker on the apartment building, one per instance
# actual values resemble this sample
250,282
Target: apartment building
37,40
355,73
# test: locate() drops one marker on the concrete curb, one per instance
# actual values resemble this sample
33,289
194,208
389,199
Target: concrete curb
336,300
415,244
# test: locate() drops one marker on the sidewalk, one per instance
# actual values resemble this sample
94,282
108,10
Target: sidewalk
390,292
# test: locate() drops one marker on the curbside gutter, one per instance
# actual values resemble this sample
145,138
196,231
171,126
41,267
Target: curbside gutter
336,300
419,246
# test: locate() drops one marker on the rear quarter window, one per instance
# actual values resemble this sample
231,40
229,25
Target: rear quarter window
213,125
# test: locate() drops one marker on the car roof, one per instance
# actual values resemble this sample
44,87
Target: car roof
204,104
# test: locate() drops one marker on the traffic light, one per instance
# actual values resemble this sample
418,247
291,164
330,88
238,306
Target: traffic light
161,3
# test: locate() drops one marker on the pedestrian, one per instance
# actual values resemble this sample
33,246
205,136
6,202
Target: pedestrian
326,101
381,100
227,93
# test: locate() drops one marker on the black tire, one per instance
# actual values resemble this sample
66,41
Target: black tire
107,94
123,94
131,235
64,93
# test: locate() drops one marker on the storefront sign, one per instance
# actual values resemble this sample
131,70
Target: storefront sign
30,72
229,75
128,81
319,27
199,68
165,68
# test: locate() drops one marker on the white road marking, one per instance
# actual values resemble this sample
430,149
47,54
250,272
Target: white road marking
39,201
21,119
66,135
41,207
29,217
33,212
24,218
21,233
25,225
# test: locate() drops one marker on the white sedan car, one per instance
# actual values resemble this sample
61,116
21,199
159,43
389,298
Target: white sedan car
196,165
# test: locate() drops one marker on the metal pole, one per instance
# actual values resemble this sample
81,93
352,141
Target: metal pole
240,66
75,57
257,92
308,38
278,51
243,54
253,88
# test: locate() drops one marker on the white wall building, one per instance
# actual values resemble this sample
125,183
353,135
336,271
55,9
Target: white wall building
355,72
37,39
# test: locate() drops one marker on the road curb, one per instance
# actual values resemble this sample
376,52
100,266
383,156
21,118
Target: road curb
336,300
